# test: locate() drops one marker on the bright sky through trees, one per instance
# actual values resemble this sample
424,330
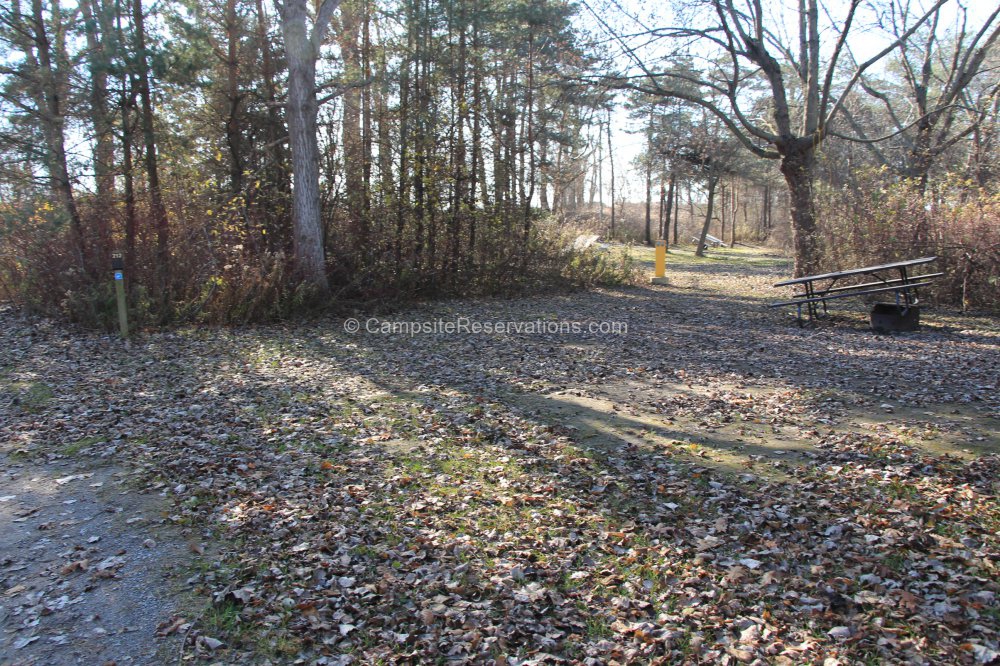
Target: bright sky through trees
613,24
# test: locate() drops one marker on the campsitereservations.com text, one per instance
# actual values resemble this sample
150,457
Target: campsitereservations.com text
466,325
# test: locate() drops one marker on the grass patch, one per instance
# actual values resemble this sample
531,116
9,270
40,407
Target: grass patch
74,448
33,396
598,627
223,618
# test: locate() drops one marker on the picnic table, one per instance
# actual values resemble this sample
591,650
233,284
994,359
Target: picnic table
893,278
709,240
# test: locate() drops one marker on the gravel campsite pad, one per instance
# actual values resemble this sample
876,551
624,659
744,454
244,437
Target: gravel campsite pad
714,485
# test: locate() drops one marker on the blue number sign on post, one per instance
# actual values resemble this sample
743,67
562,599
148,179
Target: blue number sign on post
119,275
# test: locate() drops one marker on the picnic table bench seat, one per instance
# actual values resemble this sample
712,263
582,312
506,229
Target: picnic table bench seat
818,289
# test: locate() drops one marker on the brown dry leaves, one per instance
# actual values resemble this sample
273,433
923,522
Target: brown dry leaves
388,499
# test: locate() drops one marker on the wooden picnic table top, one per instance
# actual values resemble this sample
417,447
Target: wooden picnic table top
858,271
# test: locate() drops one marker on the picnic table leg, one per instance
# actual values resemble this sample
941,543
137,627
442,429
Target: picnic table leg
813,310
906,293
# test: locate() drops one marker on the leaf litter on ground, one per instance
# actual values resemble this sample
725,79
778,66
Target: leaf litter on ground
715,486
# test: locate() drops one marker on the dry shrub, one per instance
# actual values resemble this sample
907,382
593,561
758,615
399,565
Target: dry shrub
881,221
226,269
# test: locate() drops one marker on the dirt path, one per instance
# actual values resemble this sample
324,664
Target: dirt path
90,562
87,566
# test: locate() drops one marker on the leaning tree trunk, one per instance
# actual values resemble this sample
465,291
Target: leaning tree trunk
700,250
797,164
50,73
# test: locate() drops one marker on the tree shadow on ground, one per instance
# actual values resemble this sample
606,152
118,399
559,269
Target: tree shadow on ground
433,475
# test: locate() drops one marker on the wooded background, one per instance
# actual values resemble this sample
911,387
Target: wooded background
250,157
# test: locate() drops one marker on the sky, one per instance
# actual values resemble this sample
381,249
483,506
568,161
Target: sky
866,39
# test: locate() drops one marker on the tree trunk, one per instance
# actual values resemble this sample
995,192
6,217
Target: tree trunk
662,226
98,27
278,186
351,140
690,203
649,202
127,104
159,212
766,212
712,182
386,181
722,210
744,207
234,120
128,176
611,160
366,115
797,165
476,160
676,193
301,50
529,138
460,111
49,100
649,180
670,205
600,173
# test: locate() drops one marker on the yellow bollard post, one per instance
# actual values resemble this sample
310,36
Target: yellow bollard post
660,274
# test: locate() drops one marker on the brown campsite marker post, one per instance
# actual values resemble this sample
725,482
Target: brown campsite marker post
118,268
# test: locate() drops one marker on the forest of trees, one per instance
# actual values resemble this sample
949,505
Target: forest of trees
249,156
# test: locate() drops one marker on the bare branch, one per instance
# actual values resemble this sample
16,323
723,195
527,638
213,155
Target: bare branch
322,22
874,59
887,136
841,41
709,106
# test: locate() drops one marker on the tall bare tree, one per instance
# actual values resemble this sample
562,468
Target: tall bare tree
755,67
303,37
939,68
159,211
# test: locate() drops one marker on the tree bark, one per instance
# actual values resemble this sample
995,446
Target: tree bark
712,182
234,120
128,178
273,198
670,205
722,211
649,202
351,140
611,161
157,209
98,28
301,51
677,207
49,97
662,226
797,166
